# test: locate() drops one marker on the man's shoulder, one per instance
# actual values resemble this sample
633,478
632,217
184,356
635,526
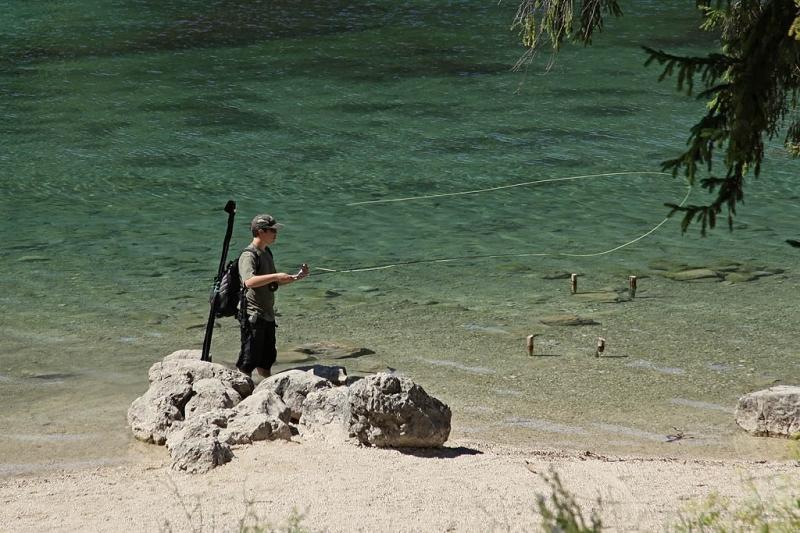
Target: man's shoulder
249,255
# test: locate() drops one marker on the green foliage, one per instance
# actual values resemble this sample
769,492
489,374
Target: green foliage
556,20
715,514
252,523
751,86
565,516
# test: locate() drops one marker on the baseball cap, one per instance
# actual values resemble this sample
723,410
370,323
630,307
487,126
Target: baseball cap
264,222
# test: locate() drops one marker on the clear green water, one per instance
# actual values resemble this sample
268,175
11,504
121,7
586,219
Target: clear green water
127,125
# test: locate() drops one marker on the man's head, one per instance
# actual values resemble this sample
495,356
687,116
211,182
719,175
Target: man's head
264,223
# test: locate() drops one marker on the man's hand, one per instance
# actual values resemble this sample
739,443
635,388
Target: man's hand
282,278
303,272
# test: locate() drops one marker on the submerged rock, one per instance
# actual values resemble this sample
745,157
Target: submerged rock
740,277
602,297
567,320
558,274
667,265
773,412
695,274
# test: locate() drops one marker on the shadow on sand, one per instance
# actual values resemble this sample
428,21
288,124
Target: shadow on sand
440,453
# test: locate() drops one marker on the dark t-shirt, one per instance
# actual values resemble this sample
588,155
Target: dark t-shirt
261,300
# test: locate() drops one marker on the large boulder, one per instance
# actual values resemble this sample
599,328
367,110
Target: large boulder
327,414
193,355
264,402
292,387
392,411
246,429
209,395
191,370
196,448
183,387
159,411
383,410
201,409
262,416
773,412
200,455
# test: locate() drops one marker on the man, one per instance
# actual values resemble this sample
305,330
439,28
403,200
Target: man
261,280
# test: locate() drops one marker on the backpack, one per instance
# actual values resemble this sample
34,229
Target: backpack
228,297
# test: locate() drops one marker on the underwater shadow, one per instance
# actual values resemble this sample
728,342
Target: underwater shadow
439,453
53,376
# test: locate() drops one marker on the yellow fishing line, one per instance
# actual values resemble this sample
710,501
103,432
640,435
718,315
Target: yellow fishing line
499,256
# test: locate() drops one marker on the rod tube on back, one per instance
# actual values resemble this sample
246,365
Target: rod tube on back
230,208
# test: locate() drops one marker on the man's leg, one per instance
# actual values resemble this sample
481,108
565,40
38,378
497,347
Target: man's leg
248,345
269,351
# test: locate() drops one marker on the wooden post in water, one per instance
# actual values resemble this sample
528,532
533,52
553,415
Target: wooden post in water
632,286
601,346
573,283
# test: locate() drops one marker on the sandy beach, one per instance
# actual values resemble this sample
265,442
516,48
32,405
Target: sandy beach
466,486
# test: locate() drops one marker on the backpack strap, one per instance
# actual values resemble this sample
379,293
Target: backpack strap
243,289
255,256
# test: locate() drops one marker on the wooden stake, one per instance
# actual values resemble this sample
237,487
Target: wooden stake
573,283
632,286
601,346
529,344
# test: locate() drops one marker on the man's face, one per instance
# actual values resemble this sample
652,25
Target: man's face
269,235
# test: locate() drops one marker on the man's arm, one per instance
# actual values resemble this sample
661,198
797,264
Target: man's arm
281,278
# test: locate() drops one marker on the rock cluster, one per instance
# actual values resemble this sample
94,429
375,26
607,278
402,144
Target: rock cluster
773,412
199,410
729,272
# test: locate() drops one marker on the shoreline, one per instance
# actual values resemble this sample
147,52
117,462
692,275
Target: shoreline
465,486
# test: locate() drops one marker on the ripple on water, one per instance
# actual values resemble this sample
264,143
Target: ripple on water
545,425
641,363
702,405
507,392
485,329
53,376
629,432
56,437
453,364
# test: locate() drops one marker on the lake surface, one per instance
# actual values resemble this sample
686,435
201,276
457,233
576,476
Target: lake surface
127,125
